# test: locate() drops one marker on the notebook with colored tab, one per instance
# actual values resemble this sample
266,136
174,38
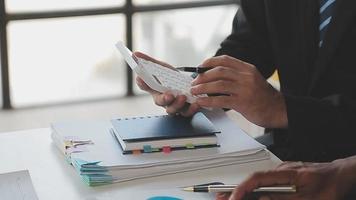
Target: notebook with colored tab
153,133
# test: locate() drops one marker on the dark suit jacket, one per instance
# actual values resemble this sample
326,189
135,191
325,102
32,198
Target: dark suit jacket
319,84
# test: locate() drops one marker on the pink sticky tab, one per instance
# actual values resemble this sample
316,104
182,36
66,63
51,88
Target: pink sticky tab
166,149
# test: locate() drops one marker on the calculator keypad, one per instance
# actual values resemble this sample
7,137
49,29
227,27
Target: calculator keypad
171,79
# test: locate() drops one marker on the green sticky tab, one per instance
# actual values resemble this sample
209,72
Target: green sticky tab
189,146
68,159
147,148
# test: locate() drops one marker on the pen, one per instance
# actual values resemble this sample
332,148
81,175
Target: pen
230,188
198,70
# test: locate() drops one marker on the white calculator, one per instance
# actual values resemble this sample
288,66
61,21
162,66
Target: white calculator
158,77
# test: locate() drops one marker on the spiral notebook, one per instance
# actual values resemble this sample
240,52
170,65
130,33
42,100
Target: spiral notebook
164,132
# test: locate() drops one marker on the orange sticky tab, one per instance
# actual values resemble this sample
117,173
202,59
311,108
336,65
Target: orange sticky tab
166,149
136,152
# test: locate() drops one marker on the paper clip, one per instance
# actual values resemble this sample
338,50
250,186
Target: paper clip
75,145
72,142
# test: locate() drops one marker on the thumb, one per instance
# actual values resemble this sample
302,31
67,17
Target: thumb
149,58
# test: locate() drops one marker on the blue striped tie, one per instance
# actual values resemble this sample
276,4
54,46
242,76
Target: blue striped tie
326,9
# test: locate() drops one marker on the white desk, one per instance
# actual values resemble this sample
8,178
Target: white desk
54,179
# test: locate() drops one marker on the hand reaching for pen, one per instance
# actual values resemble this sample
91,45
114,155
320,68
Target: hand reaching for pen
172,104
316,181
245,89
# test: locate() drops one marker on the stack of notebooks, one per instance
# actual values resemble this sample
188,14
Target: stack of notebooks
131,148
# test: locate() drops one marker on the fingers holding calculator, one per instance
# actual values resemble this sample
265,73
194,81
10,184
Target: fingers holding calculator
172,103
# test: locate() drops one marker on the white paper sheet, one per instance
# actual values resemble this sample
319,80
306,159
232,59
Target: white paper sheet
17,186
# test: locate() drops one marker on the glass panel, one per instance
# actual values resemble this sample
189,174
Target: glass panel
147,2
183,37
1,104
57,60
51,5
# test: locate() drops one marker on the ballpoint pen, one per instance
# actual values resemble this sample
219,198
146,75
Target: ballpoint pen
230,188
198,70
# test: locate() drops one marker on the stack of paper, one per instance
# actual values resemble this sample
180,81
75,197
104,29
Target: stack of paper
96,155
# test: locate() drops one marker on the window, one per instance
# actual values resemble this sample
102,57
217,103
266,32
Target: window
15,6
157,2
63,51
60,60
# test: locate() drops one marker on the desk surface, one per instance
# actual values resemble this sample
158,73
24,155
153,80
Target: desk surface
54,179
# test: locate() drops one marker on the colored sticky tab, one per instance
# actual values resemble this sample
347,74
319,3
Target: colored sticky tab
84,162
77,149
166,149
68,159
164,198
189,146
136,152
147,148
71,138
155,149
68,143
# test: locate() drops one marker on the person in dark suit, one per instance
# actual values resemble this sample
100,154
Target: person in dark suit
312,44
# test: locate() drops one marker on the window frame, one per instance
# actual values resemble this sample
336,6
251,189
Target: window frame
128,10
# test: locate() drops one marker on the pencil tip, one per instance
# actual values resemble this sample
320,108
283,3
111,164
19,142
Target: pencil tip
188,189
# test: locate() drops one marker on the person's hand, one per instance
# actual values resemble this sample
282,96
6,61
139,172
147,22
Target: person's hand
245,89
172,104
317,181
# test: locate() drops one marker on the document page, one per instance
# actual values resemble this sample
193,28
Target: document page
17,186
